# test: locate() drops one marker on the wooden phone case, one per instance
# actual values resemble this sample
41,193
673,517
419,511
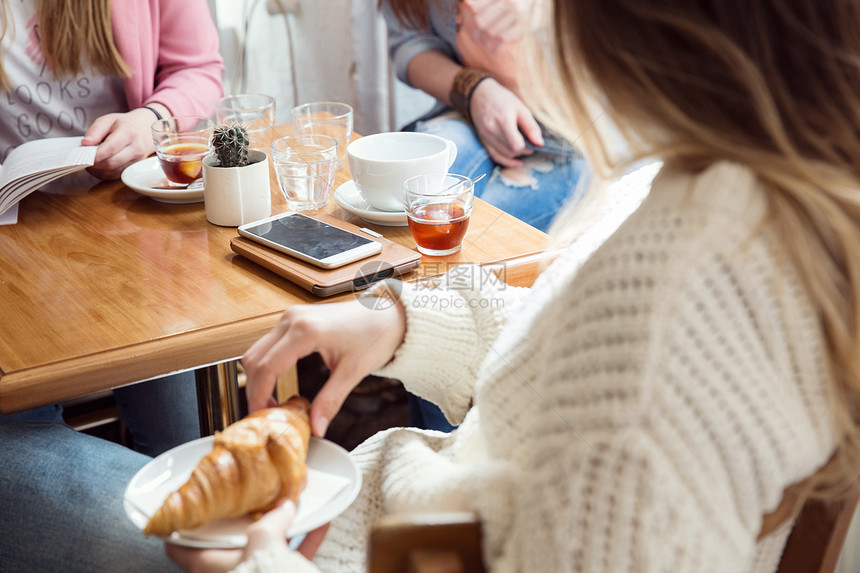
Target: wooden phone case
392,261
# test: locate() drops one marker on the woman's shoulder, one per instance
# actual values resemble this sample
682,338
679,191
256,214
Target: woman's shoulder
688,220
697,256
726,199
694,298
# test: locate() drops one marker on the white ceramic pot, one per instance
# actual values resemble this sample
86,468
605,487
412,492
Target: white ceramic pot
234,196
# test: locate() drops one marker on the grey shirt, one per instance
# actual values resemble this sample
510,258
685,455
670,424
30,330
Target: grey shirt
406,43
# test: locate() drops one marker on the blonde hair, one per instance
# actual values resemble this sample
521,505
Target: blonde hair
70,29
771,85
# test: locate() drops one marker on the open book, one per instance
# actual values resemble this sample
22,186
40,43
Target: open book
36,163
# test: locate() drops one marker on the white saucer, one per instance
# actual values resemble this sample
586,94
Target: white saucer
146,177
348,197
333,482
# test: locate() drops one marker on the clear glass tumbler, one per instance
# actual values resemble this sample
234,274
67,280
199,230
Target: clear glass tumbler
325,118
255,111
438,208
180,144
305,166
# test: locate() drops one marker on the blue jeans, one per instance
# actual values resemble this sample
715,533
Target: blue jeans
427,415
61,505
159,414
533,193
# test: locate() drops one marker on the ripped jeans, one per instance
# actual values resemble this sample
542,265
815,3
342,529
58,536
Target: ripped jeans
533,193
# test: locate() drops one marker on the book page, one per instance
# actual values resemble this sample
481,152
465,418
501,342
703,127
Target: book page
36,163
10,216
45,155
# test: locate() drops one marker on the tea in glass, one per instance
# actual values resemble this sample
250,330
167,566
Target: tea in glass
438,208
439,228
182,163
180,144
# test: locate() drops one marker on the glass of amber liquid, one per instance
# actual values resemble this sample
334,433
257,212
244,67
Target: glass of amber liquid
180,144
438,208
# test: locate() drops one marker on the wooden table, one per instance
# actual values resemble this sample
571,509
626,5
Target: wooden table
104,287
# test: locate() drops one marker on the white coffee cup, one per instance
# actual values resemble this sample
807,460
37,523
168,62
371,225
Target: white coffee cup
233,196
380,163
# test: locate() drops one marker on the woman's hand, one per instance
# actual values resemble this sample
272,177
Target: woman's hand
352,338
492,22
501,120
268,532
123,138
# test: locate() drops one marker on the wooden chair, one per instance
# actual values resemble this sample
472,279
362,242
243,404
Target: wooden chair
426,543
451,542
816,540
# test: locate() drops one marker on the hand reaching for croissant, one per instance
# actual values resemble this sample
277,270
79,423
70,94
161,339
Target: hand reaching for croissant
353,340
266,533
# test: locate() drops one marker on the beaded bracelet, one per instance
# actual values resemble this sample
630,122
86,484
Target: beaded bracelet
465,82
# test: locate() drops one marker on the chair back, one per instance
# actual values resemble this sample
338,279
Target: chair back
451,542
426,543
817,537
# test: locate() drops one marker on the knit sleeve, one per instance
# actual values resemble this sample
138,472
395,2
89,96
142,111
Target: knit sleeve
449,331
276,560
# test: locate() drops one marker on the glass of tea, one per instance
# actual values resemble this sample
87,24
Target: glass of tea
438,208
180,144
305,166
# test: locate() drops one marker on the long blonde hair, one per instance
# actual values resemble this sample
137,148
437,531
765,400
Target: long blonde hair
771,85
70,29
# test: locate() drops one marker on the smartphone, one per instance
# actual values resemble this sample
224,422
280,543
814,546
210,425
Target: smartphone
310,240
553,144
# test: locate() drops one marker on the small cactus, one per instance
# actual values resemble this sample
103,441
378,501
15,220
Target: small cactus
230,143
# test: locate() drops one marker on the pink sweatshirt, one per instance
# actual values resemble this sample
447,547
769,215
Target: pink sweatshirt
171,47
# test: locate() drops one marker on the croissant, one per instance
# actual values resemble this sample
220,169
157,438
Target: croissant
253,464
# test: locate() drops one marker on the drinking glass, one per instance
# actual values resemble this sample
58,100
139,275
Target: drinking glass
325,118
255,111
438,208
305,166
180,144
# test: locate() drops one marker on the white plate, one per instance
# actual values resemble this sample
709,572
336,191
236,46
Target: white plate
333,483
348,197
146,176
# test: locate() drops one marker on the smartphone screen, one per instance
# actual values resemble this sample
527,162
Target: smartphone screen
307,236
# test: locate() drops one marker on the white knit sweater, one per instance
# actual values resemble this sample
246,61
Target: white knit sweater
638,409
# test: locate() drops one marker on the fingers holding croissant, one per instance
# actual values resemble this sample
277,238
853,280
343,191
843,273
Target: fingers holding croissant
253,464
